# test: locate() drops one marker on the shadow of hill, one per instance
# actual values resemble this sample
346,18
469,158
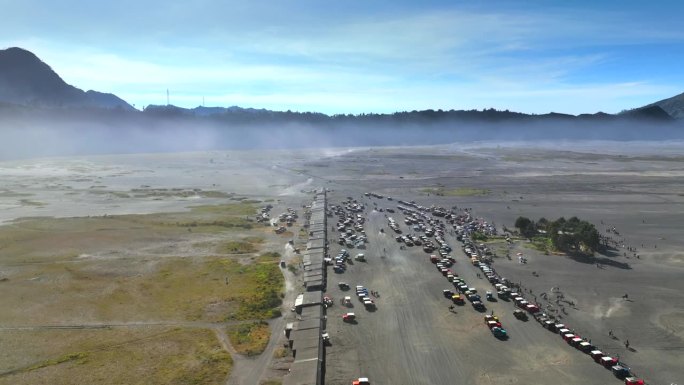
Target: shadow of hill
610,251
603,260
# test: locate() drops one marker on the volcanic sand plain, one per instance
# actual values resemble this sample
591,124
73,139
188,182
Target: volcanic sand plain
109,243
636,188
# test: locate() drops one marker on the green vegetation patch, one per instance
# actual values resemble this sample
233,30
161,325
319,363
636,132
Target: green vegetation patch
251,338
263,299
218,289
29,202
241,208
130,286
33,239
207,218
242,246
177,193
215,194
251,201
210,289
542,244
13,194
120,194
81,357
456,192
572,235
479,236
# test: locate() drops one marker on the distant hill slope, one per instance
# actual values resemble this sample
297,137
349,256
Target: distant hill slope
673,106
650,112
26,80
238,115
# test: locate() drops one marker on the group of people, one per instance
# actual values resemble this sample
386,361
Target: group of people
612,335
609,241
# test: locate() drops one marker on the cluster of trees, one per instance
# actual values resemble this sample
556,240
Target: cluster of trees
571,235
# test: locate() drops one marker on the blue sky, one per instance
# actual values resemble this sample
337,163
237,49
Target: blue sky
361,56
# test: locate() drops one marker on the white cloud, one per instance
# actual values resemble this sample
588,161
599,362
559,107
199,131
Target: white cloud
446,58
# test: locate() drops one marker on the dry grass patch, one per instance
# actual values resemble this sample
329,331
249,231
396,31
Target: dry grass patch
172,289
40,239
251,338
242,246
272,382
280,353
119,269
123,356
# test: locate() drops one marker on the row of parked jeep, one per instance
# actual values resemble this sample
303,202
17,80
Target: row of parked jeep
619,369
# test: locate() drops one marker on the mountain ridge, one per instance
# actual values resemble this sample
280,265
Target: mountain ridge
674,105
27,80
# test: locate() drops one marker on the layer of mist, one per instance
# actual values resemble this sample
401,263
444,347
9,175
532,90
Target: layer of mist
25,136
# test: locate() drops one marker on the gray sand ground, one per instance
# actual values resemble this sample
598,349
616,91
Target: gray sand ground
412,338
638,192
